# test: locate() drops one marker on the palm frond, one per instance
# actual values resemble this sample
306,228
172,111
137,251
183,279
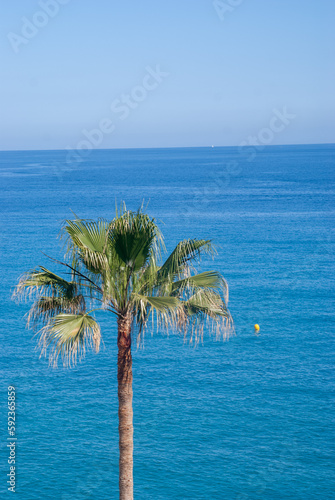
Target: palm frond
161,304
207,279
207,307
165,312
207,301
44,282
86,242
68,336
179,261
47,307
135,238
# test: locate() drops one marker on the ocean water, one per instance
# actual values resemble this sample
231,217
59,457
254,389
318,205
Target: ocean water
251,418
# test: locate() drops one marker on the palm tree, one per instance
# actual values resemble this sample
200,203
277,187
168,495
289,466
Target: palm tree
114,266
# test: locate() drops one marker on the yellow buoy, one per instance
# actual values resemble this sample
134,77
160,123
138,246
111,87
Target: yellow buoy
256,327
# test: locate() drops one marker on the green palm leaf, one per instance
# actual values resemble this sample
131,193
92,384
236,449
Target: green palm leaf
68,336
42,281
133,237
86,242
168,311
180,259
47,307
207,307
207,302
160,304
208,279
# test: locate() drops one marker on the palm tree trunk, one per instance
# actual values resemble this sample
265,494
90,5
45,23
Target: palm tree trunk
125,394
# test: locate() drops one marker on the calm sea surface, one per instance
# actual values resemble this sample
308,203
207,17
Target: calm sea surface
247,419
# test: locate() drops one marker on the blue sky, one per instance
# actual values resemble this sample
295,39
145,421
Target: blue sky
224,72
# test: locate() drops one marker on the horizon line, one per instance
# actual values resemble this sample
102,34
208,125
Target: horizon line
179,147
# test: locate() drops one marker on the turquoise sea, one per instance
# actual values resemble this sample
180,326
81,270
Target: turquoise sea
247,419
